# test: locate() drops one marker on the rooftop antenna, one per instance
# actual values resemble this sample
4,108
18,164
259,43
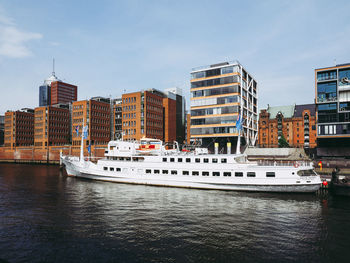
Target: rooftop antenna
53,67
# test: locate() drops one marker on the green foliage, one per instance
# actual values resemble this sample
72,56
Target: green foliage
282,142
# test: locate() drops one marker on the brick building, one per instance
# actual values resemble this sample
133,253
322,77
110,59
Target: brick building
63,92
19,128
169,131
95,113
51,126
297,123
2,129
143,115
54,91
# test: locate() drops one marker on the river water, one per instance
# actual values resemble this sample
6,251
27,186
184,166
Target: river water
46,216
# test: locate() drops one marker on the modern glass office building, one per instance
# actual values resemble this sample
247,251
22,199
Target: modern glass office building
44,95
219,94
332,86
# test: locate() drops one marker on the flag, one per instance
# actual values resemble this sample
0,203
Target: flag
239,122
89,148
77,130
320,165
85,132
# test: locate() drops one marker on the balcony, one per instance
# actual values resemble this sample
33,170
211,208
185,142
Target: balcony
323,100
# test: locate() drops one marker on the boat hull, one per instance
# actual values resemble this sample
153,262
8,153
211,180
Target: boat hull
306,188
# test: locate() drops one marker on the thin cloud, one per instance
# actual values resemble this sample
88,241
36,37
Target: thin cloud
12,40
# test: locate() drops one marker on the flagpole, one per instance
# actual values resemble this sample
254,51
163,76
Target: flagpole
82,144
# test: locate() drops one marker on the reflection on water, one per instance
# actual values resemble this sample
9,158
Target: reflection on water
46,216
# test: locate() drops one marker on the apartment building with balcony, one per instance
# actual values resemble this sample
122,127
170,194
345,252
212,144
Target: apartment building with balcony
219,94
297,124
94,113
117,118
332,92
51,126
19,128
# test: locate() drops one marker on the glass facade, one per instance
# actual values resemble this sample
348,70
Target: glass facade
333,101
327,91
44,95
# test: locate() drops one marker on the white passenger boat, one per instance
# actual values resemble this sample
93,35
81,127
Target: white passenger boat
130,162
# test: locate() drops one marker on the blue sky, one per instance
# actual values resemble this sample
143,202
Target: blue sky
106,47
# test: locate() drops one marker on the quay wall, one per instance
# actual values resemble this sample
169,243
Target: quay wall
49,155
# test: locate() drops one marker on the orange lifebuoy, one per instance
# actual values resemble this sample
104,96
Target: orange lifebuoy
296,164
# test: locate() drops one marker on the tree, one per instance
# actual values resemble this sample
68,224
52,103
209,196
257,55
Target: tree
282,142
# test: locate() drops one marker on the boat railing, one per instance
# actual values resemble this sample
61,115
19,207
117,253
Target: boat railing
295,163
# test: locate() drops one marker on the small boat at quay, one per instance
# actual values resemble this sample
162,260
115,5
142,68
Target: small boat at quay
149,162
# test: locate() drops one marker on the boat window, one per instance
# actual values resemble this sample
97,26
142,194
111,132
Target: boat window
173,172
198,160
185,173
223,160
195,173
205,160
309,172
214,160
216,173
238,174
250,174
128,158
227,174
118,169
179,160
270,174
188,160
115,158
205,173
105,168
165,171
164,159
121,158
172,160
148,171
111,168
156,171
